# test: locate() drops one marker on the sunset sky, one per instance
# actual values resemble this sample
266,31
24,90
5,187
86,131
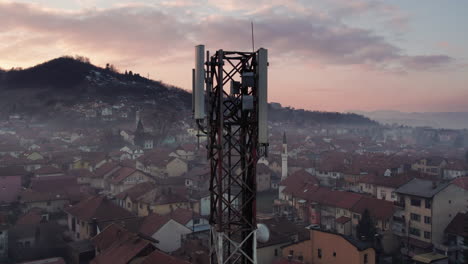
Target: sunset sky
333,55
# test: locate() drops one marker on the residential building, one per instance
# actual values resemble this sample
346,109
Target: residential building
278,232
424,209
326,247
84,217
164,229
116,244
126,177
431,166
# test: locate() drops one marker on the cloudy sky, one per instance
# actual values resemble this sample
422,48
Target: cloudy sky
333,55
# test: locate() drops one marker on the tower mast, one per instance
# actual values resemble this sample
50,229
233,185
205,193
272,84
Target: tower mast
236,127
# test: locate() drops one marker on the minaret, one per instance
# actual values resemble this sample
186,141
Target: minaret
284,159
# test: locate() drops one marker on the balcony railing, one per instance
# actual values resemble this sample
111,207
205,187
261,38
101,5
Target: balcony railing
400,204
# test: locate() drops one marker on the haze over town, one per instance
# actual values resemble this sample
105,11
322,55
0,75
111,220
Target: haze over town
338,134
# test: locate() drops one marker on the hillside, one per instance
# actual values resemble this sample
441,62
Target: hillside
450,120
67,81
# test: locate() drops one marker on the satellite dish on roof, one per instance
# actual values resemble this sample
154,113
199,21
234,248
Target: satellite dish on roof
263,234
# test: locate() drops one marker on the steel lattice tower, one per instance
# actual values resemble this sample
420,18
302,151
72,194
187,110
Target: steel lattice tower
234,145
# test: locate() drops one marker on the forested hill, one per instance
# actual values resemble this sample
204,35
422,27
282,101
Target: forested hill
70,80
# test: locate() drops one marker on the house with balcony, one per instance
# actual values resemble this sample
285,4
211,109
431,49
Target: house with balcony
424,209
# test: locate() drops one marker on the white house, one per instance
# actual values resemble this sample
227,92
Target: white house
167,231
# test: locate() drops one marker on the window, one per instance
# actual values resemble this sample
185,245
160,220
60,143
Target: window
416,202
427,235
196,221
393,195
319,253
428,204
276,252
366,259
450,201
427,219
291,252
414,231
415,217
355,216
48,203
129,205
27,244
334,254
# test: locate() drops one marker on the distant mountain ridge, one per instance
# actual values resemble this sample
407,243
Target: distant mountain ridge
69,80
448,120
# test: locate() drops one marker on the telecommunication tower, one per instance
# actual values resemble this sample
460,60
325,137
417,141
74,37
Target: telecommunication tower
230,107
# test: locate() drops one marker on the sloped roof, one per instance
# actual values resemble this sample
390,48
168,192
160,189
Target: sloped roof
160,257
296,182
124,248
461,182
13,171
97,207
136,191
342,199
32,217
48,170
378,208
121,174
10,187
152,223
421,188
183,216
105,169
30,196
458,225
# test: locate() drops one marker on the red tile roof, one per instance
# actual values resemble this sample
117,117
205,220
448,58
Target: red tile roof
183,216
123,249
152,223
32,217
160,257
297,182
47,170
458,225
10,187
461,182
379,209
136,191
105,169
121,174
13,171
109,235
31,196
342,199
97,207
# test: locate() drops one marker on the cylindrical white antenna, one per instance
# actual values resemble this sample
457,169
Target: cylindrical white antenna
262,72
199,91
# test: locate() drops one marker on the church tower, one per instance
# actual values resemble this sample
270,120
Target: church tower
284,159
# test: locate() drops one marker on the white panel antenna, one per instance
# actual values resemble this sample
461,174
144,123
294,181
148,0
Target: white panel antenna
199,83
262,72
